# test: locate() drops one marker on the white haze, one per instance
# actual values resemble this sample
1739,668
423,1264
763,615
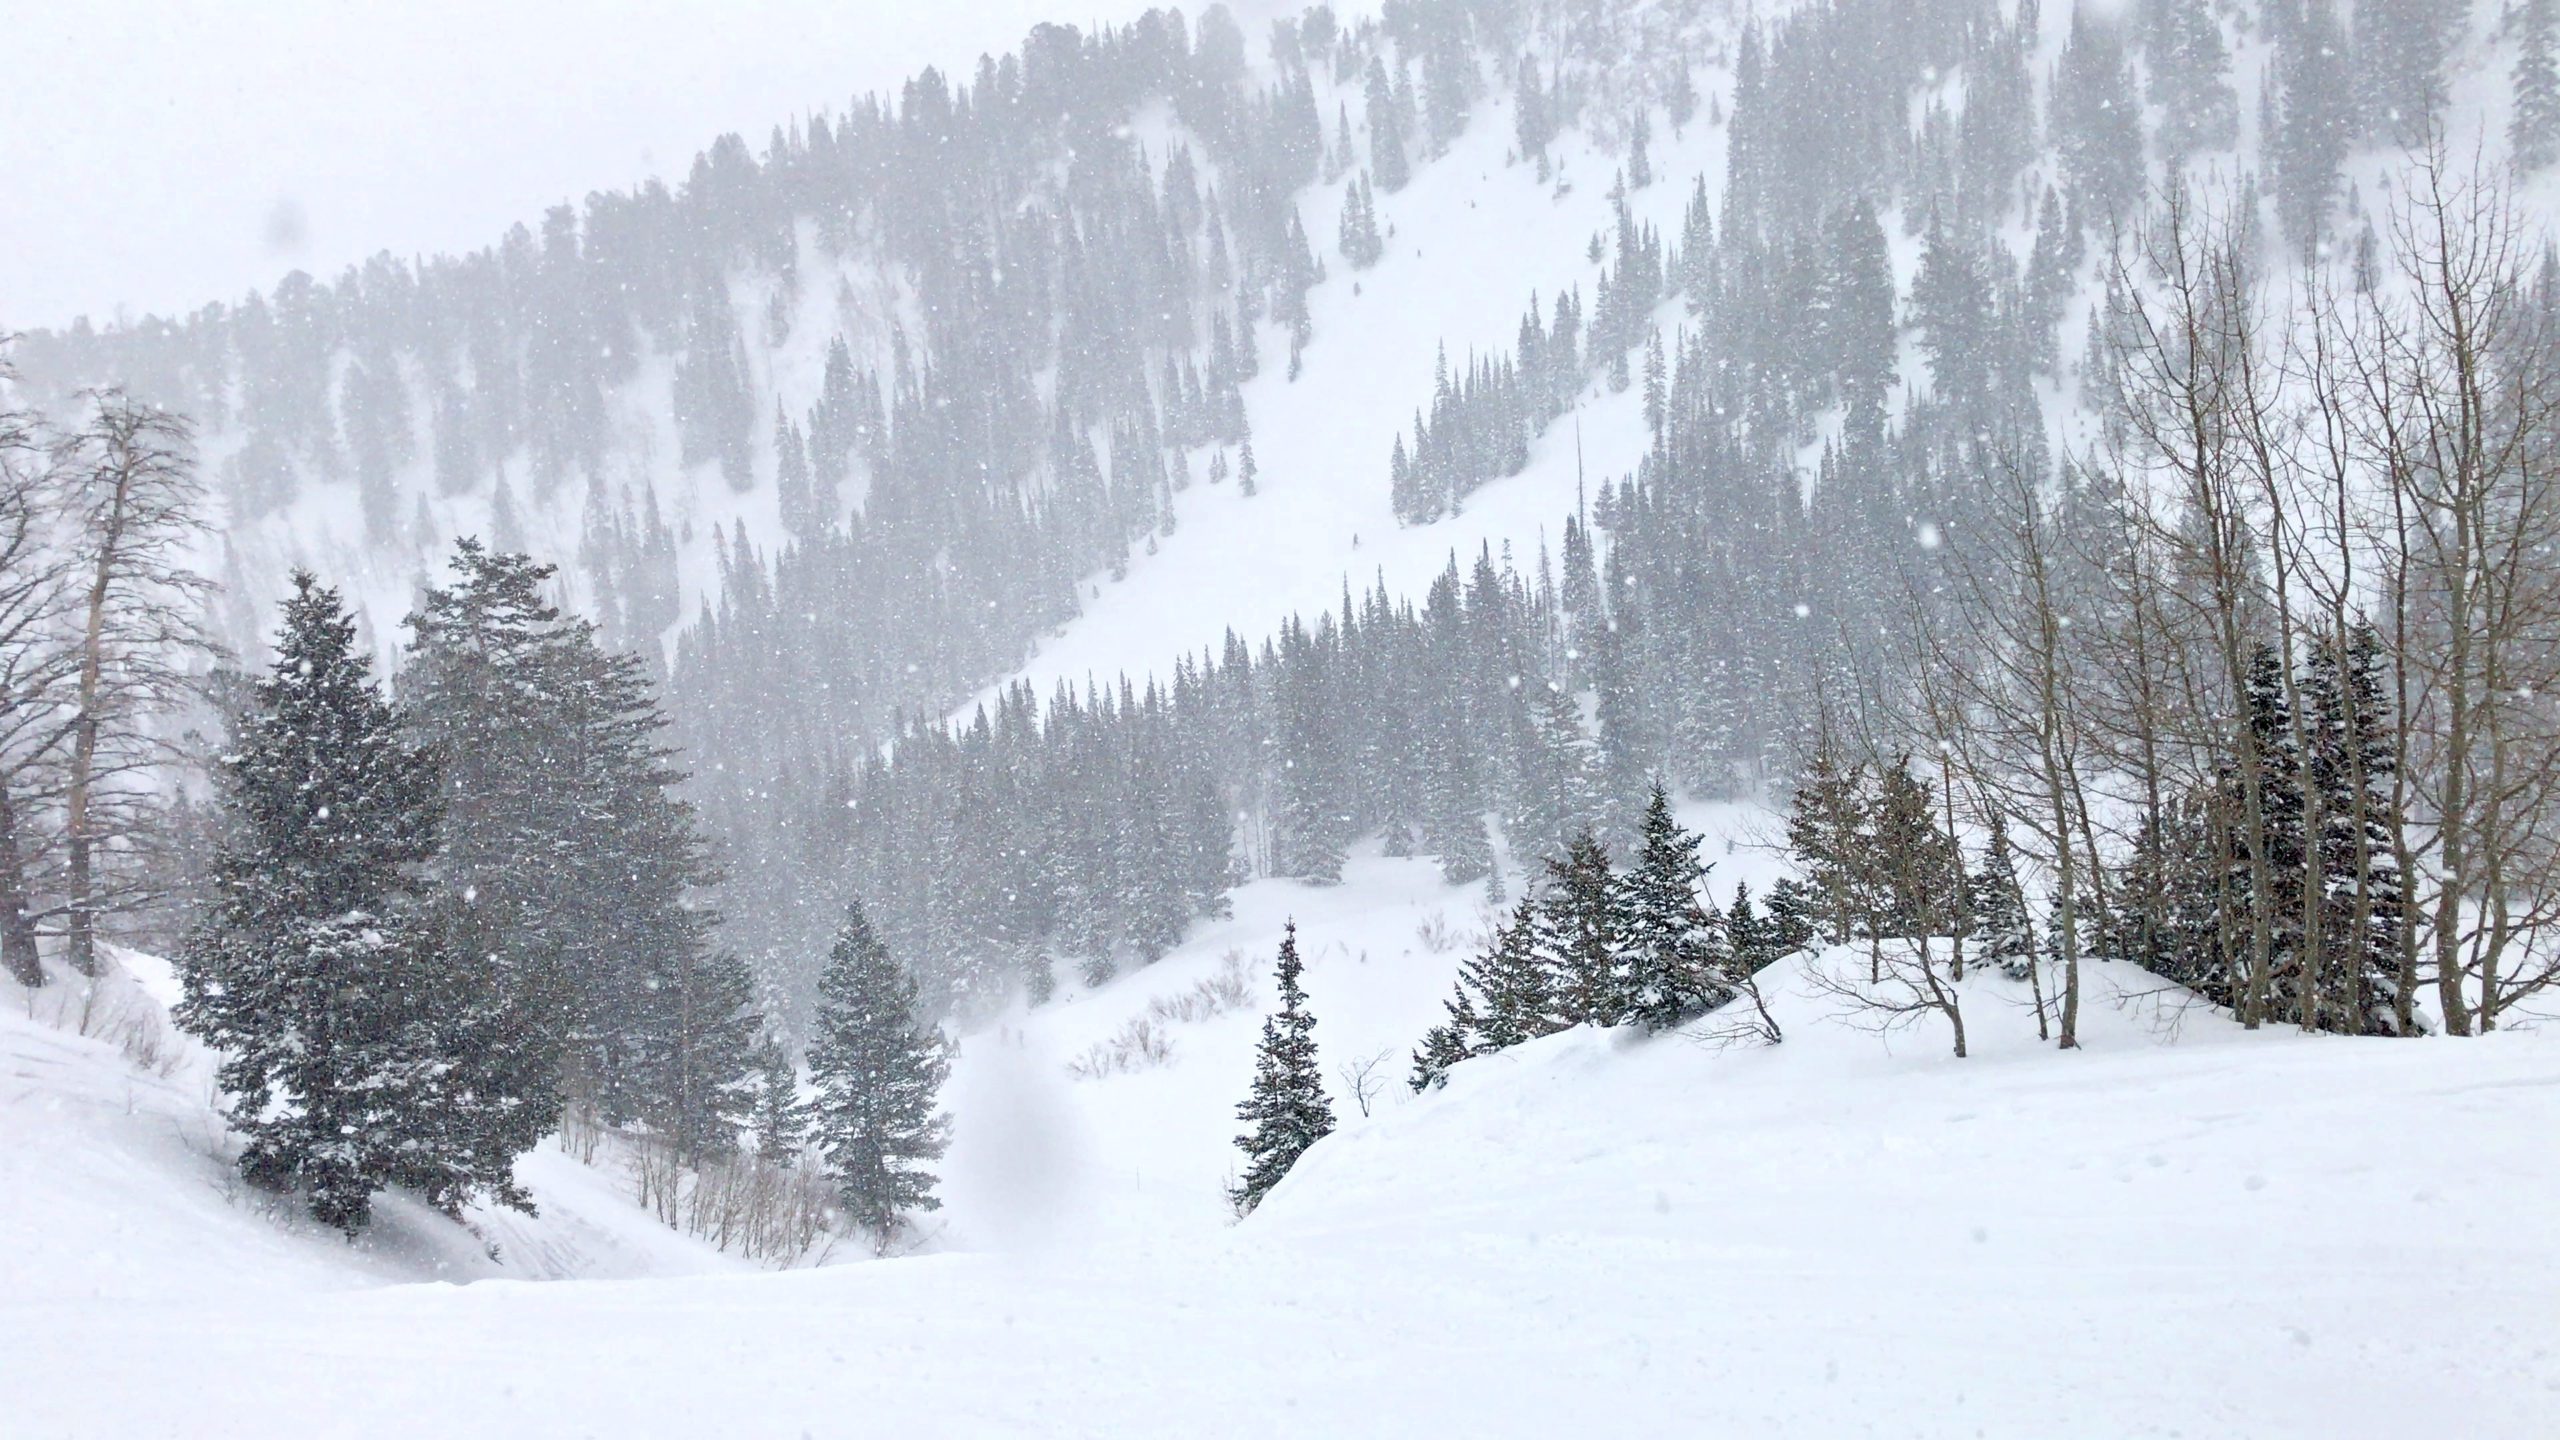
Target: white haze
157,156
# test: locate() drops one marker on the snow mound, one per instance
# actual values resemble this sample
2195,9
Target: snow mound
113,1154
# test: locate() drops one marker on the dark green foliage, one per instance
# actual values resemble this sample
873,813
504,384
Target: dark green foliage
1790,919
564,834
2533,130
1827,822
358,1053
1516,984
2004,935
1446,1043
2349,871
1675,958
781,1122
877,1071
2364,898
1581,932
1287,1110
1913,870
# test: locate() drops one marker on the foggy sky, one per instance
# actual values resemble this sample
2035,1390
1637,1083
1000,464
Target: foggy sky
156,156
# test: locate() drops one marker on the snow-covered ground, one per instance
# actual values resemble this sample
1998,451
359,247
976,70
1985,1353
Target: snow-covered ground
121,1166
2179,1231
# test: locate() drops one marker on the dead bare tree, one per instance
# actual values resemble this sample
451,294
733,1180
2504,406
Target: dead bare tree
1910,984
133,511
1363,1078
35,600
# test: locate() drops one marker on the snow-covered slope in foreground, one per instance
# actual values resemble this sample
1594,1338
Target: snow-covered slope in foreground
2261,1235
117,1191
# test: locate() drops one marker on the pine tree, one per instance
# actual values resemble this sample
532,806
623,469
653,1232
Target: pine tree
1912,864
317,970
2533,131
1446,1043
1675,954
1751,942
781,1121
1826,824
1386,131
1360,242
876,1071
564,831
2314,112
1287,1111
1581,932
1790,920
1560,781
2364,898
2003,932
1512,977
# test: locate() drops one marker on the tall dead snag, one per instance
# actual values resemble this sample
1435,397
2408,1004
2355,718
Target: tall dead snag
132,515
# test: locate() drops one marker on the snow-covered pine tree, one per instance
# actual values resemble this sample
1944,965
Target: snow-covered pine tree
2364,898
876,1072
1581,932
1287,1110
2533,130
1512,977
1674,956
1446,1043
563,830
781,1120
1826,824
1560,781
2004,933
1791,916
1751,940
1912,865
316,970
1453,806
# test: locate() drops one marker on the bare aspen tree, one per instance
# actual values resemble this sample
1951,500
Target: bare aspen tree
2461,360
2336,511
2196,445
1998,684
133,513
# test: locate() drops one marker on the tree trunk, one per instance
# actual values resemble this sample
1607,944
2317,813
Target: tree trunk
18,952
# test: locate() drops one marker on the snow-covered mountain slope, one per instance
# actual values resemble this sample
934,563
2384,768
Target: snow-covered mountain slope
2181,1230
110,1149
1474,236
